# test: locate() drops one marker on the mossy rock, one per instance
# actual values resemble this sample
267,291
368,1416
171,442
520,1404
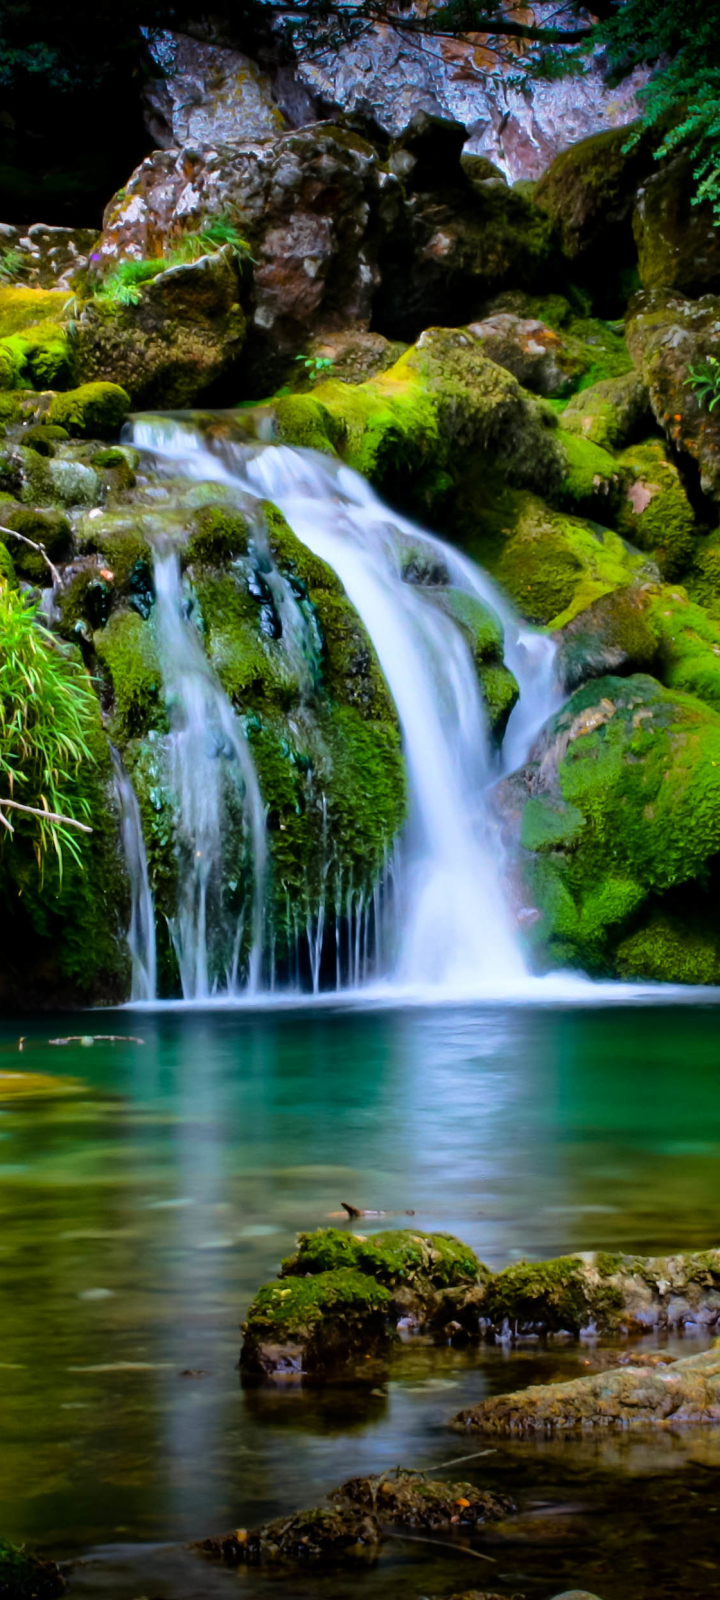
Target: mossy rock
550,1297
616,634
594,483
56,482
671,949
702,578
654,512
94,411
627,808
44,438
22,308
551,564
120,538
321,1537
219,534
27,1577
677,240
47,528
407,1500
307,1325
127,649
610,413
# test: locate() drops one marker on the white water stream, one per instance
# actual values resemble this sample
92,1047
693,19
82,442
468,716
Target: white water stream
454,931
141,932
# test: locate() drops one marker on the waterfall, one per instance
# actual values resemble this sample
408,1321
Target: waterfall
141,932
210,762
454,930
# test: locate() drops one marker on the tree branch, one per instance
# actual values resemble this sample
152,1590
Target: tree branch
55,575
39,811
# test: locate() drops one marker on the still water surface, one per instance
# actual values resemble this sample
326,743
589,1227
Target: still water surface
140,1210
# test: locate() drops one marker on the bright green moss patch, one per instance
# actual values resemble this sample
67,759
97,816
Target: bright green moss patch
609,413
38,358
669,950
119,537
593,481
95,410
292,1307
26,308
655,513
293,559
689,645
219,535
393,1257
127,649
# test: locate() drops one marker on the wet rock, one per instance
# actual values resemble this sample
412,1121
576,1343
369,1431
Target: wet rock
353,354
322,1536
208,95
409,1500
688,1391
49,256
654,512
185,333
539,358
610,413
613,635
314,1324
26,1577
589,191
678,243
667,335
618,808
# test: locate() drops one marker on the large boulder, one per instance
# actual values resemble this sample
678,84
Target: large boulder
186,332
616,814
610,413
541,359
589,192
678,243
208,95
667,336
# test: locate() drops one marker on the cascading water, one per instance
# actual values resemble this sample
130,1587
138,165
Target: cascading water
210,763
453,927
141,932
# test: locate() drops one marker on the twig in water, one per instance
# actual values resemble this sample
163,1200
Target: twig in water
453,1462
55,575
442,1544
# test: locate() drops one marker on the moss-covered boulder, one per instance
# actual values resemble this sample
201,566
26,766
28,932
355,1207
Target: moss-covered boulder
94,411
186,330
589,192
678,243
35,351
552,565
541,359
654,512
667,336
615,634
483,632
49,529
619,807
398,1259
310,1325
26,1577
610,413
632,1396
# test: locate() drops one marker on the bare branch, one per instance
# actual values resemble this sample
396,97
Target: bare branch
55,575
47,816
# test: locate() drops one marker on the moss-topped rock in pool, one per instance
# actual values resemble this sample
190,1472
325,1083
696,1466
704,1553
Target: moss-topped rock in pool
620,806
309,1325
399,1258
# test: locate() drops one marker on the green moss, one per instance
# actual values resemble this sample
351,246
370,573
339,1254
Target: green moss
218,535
119,537
550,1295
702,578
293,559
254,672
500,692
392,1258
593,482
655,513
47,528
668,950
547,824
43,438
291,1309
689,645
26,308
609,413
127,649
95,410
351,671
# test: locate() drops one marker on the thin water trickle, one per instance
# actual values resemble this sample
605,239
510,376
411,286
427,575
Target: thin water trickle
141,932
209,755
452,926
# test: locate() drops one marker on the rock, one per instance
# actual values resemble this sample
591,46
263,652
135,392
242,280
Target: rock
27,1577
619,805
539,358
552,565
415,428
484,634
208,96
681,947
34,347
353,354
53,482
186,332
341,1296
678,243
47,528
667,335
628,1397
321,1536
613,635
654,512
388,76
50,256
610,413
405,1500
95,410
589,191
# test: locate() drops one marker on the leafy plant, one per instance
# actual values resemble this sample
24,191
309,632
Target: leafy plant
705,380
316,366
12,263
124,284
217,233
46,712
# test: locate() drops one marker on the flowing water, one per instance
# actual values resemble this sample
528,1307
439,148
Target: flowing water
141,932
453,932
144,1202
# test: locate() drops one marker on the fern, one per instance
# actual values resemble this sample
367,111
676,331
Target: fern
705,380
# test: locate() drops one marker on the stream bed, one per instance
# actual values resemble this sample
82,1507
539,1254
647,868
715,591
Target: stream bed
143,1203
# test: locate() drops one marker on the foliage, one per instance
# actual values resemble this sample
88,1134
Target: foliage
46,706
124,284
215,234
316,366
705,380
11,265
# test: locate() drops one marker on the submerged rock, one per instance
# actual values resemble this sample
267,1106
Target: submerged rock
322,1536
687,1391
409,1500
